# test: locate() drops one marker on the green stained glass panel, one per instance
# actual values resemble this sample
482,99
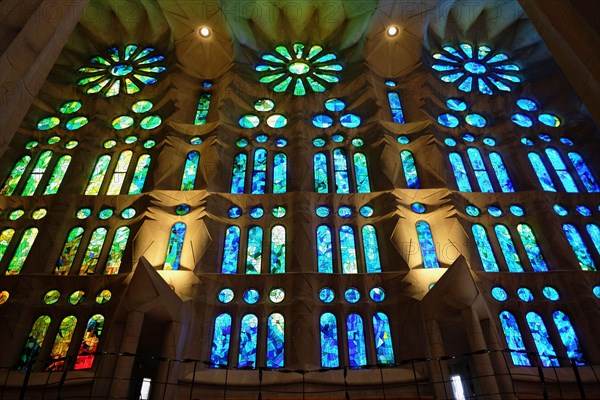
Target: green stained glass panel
97,177
37,173
34,342
272,77
150,122
148,80
189,171
5,238
122,122
202,109
116,251
316,86
98,87
76,123
142,106
284,52
62,343
15,176
131,87
139,175
65,261
118,177
70,107
327,78
22,251
60,169
299,89
175,246
283,85
16,214
92,254
48,123
314,50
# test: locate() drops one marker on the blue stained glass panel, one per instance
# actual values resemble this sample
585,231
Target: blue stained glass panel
275,341
568,336
329,341
340,166
357,351
348,250
278,249
508,249
541,172
175,246
320,172
279,173
231,250
514,340
480,172
396,107
239,173
585,174
448,120
326,295
219,354
460,173
534,253
501,173
361,172
202,109
254,254
371,249
248,340
430,259
594,232
190,169
561,170
259,174
525,294
410,170
486,254
541,339
324,250
579,248
383,339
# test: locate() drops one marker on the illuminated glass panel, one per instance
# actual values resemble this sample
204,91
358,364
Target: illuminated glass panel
92,254
219,354
340,167
383,339
175,246
486,254
191,168
139,175
534,253
58,174
508,249
278,249
410,170
480,172
65,261
427,245
259,173
568,336
371,248
460,173
585,174
275,341
116,251
320,172
231,250
357,351
348,250
329,341
62,343
396,107
15,176
254,252
118,177
34,342
593,230
541,339
248,341
514,340
89,344
37,173
501,173
202,109
98,175
324,249
361,173
579,248
5,239
22,251
239,173
561,170
279,173
541,172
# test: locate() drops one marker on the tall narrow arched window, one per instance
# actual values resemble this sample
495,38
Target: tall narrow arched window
430,259
561,170
175,246
396,107
279,173
58,174
92,254
541,172
501,174
579,248
202,109
238,177
357,351
460,173
116,251
139,174
119,174
585,174
15,176
254,250
62,343
514,339
371,249
219,354
542,340
534,253
69,252
98,175
22,251
259,171
484,248
320,173
275,341
324,250
34,342
277,250
568,336
361,173
5,238
508,248
190,170
248,341
340,171
593,231
329,341
483,179
410,170
348,250
37,173
231,250
89,344
383,339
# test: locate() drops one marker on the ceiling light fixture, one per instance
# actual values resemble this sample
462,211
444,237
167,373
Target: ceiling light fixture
392,30
204,31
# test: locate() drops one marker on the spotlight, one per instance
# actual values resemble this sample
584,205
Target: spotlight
204,31
392,30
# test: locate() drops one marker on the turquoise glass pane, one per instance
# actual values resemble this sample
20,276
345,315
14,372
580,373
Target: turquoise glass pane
37,173
396,107
508,249
357,352
275,341
15,176
361,173
254,253
484,248
448,120
499,294
191,169
239,173
67,256
427,245
324,249
340,166
514,340
501,173
34,343
98,175
175,246
326,295
383,339
22,251
58,174
350,120
278,249
329,341
259,173
320,173
139,175
541,339
585,174
348,250
534,253
480,172
248,341
93,251
525,294
410,170
371,249
561,170
460,173
202,109
231,250
541,172
219,354
568,337
117,248
594,232
579,248
279,173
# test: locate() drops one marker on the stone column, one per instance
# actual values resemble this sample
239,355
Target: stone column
129,343
168,371
500,361
438,371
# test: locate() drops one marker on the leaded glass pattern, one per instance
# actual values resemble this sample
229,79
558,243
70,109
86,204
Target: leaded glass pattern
275,341
202,109
340,172
585,174
248,341
534,253
231,250
579,248
329,341
175,246
34,342
239,173
357,351
568,336
383,339
22,251
410,170
501,173
396,107
139,174
371,249
15,176
279,173
37,173
219,354
278,249
89,344
460,173
324,249
118,176
427,245
259,173
190,170
58,174
541,339
92,254
115,256
508,248
593,231
484,248
541,172
514,339
67,256
320,173
5,239
361,173
62,343
100,170
561,170
254,250
483,179
348,250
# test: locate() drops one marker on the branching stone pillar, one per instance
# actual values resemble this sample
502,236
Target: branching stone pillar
125,364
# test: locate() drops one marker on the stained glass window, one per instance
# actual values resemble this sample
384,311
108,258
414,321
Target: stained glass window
139,175
501,174
116,251
65,261
541,172
361,173
348,250
175,246
5,239
534,253
320,172
62,343
357,352
585,174
508,248
484,248
568,336
219,354
430,259
259,173
118,177
541,339
371,248
34,342
15,176
340,168
92,254
410,170
37,173
58,174
396,107
275,341
190,170
202,109
561,170
231,250
480,172
89,344
593,230
514,340
254,250
239,173
279,173
579,248
324,249
248,341
95,183
383,339
278,249
22,251
329,341
460,173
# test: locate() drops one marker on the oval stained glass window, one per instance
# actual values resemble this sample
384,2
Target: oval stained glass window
4,295
39,213
549,120
326,295
419,208
75,123
225,295
526,141
71,144
456,104
450,142
70,107
352,295
494,211
131,139
51,297
122,122
235,212
148,144
319,142
77,297
322,121
468,137
358,142
517,210
550,293
251,296
109,144
499,294
525,294
566,141
150,122
83,213
276,295
257,212
264,105
277,121
105,213
472,210
249,121
195,140
476,120
182,209
488,141
522,120
560,210
596,291
366,211
583,210
16,214
335,105
47,123
261,138
53,139
448,120
128,213
322,211
403,139
103,296
344,211
281,142
377,294
278,211
527,104
337,138
142,106
242,142
30,145
350,120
